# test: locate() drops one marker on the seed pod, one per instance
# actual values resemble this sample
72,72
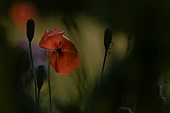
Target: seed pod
107,37
40,75
30,29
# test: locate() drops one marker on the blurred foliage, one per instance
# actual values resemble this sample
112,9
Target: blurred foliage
130,82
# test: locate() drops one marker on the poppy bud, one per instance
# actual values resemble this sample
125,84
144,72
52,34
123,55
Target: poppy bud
107,37
40,75
30,29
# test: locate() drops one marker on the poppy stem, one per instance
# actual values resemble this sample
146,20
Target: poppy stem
38,99
49,85
48,75
104,61
34,76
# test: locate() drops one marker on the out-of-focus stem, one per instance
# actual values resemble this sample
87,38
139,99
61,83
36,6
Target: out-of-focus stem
48,76
104,61
34,76
49,85
38,99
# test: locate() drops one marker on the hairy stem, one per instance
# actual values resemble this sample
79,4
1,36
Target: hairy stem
48,75
104,61
34,76
49,85
38,99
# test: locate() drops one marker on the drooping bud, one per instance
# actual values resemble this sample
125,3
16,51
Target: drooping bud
40,76
30,29
107,37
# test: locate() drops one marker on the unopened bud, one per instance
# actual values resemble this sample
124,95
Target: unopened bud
40,75
30,29
107,37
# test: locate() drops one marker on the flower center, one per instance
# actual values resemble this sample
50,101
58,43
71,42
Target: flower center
59,50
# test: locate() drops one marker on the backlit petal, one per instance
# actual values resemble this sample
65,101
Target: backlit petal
67,62
66,58
53,58
51,39
67,44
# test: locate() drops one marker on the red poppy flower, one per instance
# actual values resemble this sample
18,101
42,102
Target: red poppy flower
66,58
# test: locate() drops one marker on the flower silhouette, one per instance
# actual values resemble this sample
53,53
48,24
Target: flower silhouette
65,59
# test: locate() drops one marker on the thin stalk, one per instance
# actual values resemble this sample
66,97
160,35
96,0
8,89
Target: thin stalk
34,76
49,85
104,61
38,99
48,76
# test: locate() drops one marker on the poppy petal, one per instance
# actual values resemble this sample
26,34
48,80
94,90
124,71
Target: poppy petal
53,58
66,58
51,39
67,44
67,62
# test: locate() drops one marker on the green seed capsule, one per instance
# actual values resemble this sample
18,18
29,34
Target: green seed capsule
107,37
30,29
